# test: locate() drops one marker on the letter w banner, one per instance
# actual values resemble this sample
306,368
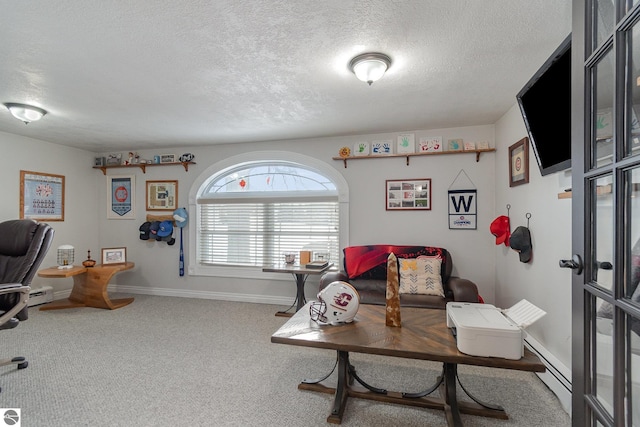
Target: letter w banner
463,209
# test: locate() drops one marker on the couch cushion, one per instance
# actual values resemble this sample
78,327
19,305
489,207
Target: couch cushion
421,276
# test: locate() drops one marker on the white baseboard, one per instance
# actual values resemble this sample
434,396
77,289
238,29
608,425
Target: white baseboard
557,376
184,293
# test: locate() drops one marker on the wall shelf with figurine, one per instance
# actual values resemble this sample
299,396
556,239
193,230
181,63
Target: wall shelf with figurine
144,166
409,155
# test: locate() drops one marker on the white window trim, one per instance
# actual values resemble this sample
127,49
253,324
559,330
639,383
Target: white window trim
195,269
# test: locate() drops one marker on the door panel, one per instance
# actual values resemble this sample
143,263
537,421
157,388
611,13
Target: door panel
632,290
602,271
603,356
603,82
606,212
603,21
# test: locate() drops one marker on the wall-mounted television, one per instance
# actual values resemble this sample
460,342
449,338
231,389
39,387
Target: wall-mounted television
545,103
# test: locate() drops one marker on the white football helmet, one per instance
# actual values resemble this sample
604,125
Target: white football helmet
337,303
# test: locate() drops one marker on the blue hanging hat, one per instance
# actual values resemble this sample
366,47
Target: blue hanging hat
180,217
166,229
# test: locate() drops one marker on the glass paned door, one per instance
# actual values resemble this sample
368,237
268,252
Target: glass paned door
606,212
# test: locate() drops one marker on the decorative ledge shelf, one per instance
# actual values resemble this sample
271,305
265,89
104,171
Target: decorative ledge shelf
408,155
600,191
144,166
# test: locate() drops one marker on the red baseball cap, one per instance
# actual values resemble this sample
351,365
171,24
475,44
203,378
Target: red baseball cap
501,229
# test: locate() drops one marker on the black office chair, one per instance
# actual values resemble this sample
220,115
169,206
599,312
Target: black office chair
23,245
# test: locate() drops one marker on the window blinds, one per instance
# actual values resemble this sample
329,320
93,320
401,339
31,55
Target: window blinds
259,233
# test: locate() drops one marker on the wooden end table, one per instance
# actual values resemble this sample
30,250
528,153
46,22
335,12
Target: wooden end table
300,273
89,286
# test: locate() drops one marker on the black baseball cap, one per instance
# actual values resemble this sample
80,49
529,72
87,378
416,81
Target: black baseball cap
520,240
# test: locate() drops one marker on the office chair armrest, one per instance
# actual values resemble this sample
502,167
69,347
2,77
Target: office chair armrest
13,288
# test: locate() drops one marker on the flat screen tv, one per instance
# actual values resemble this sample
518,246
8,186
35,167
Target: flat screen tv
545,103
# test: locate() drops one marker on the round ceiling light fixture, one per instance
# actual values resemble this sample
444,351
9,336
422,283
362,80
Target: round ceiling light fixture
24,112
370,67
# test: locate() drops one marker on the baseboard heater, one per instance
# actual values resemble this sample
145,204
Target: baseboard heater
40,295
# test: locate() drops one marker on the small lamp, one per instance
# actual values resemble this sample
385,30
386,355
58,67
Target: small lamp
370,67
24,112
65,256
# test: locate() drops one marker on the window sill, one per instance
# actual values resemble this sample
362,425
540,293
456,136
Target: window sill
235,272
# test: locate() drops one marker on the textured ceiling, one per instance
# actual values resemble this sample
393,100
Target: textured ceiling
117,74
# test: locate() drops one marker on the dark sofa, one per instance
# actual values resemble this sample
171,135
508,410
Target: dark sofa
365,268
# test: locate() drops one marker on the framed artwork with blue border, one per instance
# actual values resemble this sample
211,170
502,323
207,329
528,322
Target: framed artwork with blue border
41,196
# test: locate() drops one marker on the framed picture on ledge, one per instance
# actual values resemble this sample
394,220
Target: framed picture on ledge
114,256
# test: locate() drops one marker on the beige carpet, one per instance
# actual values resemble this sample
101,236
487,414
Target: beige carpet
165,361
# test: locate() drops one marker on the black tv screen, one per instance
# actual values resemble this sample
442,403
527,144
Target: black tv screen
545,103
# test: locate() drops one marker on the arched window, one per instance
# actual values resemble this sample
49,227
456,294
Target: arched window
252,212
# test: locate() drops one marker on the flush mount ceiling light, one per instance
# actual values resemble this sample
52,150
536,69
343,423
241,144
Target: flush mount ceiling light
24,112
370,67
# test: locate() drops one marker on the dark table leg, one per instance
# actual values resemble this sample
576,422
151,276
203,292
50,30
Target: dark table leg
446,384
342,392
451,409
300,300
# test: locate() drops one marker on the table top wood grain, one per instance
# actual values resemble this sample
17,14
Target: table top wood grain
424,335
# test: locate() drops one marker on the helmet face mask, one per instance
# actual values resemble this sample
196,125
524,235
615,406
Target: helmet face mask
337,303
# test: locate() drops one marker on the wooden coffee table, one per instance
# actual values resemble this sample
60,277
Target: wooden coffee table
424,335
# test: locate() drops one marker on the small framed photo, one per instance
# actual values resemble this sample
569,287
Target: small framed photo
519,163
455,145
168,158
406,143
99,161
162,195
408,194
381,148
114,159
361,149
114,256
430,144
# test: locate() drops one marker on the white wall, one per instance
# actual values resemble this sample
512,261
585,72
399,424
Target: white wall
81,182
541,281
157,264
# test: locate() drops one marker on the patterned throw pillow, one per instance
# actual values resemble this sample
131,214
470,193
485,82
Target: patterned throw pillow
421,276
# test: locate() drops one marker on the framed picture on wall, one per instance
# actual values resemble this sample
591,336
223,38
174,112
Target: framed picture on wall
408,194
519,163
162,195
121,196
41,196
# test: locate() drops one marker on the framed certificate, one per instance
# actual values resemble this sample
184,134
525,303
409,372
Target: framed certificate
162,195
41,196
